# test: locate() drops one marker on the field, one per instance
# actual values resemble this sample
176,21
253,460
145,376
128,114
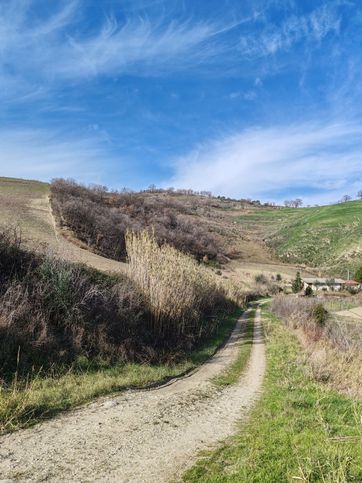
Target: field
327,237
25,203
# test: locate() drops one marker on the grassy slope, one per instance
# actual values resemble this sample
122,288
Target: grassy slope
298,431
23,203
326,236
45,396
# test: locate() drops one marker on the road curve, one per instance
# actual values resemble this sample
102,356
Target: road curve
139,436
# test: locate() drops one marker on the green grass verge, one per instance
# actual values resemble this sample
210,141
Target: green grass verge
43,397
232,373
299,430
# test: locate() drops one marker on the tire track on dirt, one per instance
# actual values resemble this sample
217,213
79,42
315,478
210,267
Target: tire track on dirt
139,436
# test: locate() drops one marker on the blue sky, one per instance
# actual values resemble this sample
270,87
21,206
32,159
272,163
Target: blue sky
257,99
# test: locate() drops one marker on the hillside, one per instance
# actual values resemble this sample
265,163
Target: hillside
236,228
24,205
326,237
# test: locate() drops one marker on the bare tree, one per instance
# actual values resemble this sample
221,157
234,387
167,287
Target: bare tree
359,194
346,198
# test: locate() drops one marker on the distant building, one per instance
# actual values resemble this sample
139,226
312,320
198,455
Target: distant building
325,284
352,284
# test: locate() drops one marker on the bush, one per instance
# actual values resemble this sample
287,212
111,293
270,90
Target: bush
297,284
101,219
261,279
55,312
311,316
308,291
358,275
319,314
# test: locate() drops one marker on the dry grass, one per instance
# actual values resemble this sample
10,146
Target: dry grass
333,346
182,294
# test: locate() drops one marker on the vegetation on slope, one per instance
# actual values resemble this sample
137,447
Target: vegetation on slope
333,346
19,203
53,312
101,219
68,333
300,430
324,236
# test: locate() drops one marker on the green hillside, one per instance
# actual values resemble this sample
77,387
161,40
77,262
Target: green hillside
329,237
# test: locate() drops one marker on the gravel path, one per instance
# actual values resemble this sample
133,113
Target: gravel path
139,436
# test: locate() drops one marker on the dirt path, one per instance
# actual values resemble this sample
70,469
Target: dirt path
40,209
355,313
142,436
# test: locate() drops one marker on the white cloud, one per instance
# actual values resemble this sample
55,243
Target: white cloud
312,27
44,154
268,162
59,46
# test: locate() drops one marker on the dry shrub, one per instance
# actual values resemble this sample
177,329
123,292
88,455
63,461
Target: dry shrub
182,294
100,219
52,312
340,368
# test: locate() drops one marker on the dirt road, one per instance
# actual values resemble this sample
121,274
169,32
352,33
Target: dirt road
355,313
139,436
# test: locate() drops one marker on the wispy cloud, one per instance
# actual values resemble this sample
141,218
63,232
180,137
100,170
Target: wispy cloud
139,45
269,162
57,46
274,38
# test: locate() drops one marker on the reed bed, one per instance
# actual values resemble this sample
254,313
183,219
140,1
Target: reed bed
183,295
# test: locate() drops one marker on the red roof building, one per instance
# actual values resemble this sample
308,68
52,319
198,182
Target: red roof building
351,283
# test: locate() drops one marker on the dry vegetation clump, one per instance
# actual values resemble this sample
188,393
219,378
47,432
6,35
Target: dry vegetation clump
266,286
101,219
334,346
54,314
182,294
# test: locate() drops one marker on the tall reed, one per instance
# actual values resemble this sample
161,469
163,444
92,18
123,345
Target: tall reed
180,292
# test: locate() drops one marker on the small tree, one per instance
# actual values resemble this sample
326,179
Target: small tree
359,194
319,314
279,277
297,284
358,275
308,291
297,203
346,198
